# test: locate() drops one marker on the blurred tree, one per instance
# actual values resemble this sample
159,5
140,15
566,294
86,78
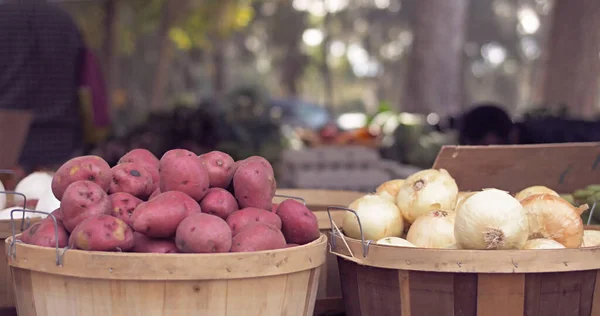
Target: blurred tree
572,73
435,75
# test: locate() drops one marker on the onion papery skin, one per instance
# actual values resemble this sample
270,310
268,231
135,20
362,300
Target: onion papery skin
425,191
379,218
591,238
395,241
389,189
543,243
461,197
491,219
433,230
552,217
534,190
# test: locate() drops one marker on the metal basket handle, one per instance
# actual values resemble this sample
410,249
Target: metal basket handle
24,205
13,250
589,221
365,243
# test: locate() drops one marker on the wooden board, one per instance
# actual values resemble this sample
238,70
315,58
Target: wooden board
14,127
562,167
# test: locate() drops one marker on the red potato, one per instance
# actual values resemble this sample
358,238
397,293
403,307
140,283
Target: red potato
220,168
261,160
154,194
219,202
298,224
274,207
258,237
181,172
160,216
131,178
203,233
81,200
123,205
146,159
102,233
57,214
254,185
90,168
43,234
249,215
142,243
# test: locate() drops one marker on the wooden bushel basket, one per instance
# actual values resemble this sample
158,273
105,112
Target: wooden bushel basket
329,296
379,280
278,282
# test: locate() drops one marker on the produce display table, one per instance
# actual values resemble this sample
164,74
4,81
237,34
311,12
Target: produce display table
385,280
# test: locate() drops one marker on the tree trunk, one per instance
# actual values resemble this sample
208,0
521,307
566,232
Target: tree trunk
573,64
435,80
219,67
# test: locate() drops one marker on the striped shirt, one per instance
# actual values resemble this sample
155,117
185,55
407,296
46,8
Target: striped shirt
40,57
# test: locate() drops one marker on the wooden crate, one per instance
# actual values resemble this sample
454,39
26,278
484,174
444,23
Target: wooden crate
329,296
390,280
279,282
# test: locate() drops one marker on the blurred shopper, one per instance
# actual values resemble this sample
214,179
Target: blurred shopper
42,61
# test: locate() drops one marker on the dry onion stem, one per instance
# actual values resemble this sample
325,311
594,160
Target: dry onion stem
552,217
534,190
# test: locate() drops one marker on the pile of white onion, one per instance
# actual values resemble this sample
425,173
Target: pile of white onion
438,215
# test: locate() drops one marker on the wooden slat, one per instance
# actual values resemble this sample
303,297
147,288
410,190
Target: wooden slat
404,284
378,291
465,294
588,285
533,292
428,287
596,297
500,294
562,293
562,167
349,279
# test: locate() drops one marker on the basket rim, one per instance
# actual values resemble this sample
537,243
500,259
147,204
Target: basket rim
172,266
468,261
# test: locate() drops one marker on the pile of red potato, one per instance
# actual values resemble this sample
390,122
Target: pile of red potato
182,203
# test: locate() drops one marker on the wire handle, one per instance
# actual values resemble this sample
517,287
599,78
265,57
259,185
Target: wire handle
12,250
292,197
591,213
24,204
365,243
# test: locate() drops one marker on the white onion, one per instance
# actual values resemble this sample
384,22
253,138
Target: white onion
433,230
47,202
378,216
5,213
424,191
394,241
533,190
389,189
542,243
491,219
2,196
461,197
552,217
591,238
33,186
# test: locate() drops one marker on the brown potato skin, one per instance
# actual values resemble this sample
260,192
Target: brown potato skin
102,233
298,224
220,168
180,171
91,168
131,178
203,233
81,200
42,234
254,185
123,206
258,237
249,215
146,159
219,202
141,243
159,217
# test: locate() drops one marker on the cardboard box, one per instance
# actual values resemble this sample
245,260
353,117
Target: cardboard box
561,167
